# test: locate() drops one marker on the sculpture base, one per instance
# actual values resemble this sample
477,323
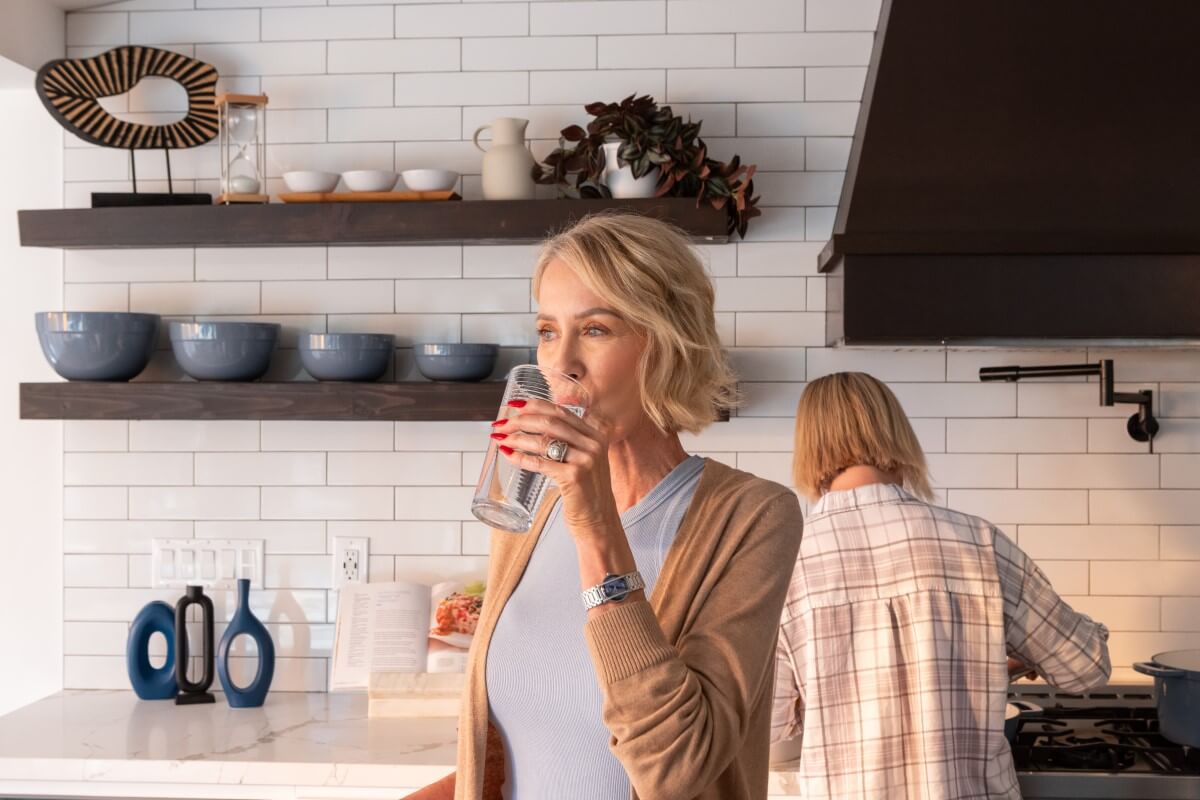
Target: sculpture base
125,199
187,699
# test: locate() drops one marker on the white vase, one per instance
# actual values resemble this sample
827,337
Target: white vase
620,180
507,164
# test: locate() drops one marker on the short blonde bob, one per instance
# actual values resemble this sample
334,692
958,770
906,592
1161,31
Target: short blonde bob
647,272
849,419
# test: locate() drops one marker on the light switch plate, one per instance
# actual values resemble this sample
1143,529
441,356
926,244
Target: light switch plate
212,563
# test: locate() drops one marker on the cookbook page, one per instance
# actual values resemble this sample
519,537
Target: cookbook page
454,613
381,627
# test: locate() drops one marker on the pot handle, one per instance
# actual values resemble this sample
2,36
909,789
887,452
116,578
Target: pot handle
1026,708
1157,670
475,138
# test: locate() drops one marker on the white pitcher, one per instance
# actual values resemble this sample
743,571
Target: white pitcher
508,164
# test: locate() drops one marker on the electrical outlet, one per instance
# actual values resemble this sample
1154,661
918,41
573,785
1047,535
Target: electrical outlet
349,561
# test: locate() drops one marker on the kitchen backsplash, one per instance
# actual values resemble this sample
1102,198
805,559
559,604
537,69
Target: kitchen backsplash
399,86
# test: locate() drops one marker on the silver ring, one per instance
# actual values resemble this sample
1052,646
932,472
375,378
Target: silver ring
556,451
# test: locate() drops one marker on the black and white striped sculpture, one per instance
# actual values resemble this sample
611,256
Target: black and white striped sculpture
71,89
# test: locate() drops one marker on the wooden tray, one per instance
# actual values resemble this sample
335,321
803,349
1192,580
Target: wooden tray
364,197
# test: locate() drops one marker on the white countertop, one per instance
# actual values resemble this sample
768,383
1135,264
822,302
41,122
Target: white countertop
298,745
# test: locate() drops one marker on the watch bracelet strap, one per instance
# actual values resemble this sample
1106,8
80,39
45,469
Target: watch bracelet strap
595,595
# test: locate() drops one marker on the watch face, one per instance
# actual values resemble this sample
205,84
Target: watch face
616,588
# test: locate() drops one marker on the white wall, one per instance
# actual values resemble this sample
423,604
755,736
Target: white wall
405,85
31,464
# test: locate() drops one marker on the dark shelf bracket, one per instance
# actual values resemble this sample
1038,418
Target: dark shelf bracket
1142,426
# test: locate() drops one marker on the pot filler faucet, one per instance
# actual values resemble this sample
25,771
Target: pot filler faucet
1142,426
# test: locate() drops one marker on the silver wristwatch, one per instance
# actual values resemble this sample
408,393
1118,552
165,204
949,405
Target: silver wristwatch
614,589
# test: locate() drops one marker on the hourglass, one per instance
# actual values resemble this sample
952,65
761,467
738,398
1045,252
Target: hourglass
243,123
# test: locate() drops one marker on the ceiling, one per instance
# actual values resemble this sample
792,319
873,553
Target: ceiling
76,5
35,37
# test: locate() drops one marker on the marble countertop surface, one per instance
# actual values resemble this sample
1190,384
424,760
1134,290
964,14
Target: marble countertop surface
304,745
298,746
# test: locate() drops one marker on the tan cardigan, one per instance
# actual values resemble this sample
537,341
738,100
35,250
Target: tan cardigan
687,679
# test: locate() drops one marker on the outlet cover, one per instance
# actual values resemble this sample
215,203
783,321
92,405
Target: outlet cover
350,558
211,563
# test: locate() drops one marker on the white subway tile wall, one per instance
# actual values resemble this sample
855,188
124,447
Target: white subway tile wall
356,84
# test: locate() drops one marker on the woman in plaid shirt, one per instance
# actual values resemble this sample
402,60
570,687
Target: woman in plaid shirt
904,620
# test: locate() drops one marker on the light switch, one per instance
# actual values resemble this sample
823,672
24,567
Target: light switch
228,564
212,563
208,565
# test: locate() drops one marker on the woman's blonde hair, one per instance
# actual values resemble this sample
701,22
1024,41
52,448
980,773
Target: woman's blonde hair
646,270
848,419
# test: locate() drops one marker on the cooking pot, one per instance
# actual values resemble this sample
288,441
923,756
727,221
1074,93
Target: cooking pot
1177,684
1014,712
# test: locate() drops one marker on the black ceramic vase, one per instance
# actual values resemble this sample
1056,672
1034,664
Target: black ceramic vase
190,692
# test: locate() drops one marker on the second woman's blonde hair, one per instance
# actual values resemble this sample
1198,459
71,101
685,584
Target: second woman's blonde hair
848,419
647,272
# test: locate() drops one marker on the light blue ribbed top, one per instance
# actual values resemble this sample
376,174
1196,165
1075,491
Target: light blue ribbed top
543,695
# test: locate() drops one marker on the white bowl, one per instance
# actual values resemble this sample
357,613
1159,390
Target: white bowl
310,181
429,180
369,180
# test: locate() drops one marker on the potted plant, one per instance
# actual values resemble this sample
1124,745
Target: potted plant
652,143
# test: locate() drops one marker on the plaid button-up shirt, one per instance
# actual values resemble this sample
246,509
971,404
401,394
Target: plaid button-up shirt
892,656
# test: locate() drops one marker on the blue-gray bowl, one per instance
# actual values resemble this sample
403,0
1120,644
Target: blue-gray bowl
224,351
346,356
96,345
456,362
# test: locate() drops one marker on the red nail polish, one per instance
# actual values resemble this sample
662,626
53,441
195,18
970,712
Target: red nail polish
517,403
508,451
499,422
499,436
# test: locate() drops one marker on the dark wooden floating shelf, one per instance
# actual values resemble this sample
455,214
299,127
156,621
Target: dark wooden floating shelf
297,400
294,400
307,224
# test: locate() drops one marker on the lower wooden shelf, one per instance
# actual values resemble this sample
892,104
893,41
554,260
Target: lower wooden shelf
298,400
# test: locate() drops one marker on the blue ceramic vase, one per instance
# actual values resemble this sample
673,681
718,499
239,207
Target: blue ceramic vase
244,622
150,683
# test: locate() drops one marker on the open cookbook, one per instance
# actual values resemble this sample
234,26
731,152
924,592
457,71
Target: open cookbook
402,628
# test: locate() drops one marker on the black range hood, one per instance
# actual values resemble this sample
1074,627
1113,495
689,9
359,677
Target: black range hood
1025,169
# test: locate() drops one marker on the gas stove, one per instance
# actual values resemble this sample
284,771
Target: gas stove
1103,744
